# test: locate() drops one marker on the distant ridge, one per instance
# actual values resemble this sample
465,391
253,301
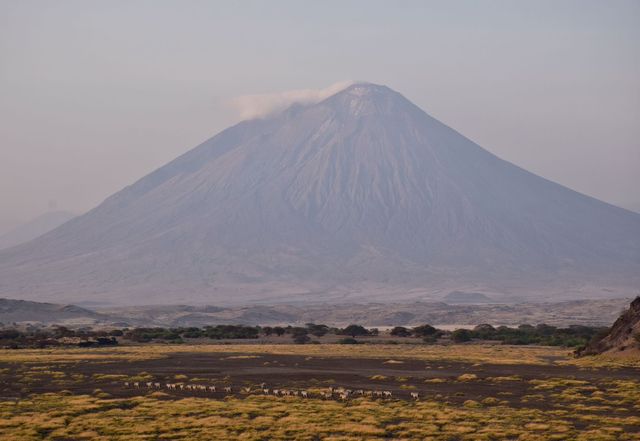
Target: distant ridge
360,197
466,297
25,311
577,312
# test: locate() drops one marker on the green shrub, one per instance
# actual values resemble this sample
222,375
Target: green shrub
461,335
348,341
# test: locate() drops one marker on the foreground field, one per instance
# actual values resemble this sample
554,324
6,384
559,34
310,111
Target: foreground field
466,392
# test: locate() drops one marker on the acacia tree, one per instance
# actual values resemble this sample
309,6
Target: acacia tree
400,331
424,330
267,330
355,330
300,336
461,335
317,330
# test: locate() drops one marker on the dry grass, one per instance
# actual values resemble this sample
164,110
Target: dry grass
553,408
606,361
499,354
467,377
60,416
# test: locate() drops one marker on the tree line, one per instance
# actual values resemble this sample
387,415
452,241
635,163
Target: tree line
572,336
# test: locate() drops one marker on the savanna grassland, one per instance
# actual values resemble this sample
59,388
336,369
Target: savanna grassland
465,392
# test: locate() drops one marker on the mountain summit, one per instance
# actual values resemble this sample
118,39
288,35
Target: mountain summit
360,197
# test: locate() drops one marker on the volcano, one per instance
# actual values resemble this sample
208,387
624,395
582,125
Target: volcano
360,197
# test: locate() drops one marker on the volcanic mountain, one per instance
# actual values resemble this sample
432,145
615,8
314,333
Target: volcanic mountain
362,196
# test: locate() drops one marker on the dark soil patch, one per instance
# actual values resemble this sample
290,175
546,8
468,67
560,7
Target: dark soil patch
299,373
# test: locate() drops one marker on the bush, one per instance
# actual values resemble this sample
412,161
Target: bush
177,334
192,333
267,330
424,331
354,330
348,341
106,341
301,339
461,335
400,331
231,332
573,336
298,331
317,330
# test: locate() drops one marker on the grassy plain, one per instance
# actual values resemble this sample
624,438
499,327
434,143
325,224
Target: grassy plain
502,354
467,392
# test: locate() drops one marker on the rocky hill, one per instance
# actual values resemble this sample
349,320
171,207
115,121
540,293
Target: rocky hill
624,336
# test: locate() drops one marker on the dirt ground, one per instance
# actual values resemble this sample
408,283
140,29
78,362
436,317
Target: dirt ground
510,383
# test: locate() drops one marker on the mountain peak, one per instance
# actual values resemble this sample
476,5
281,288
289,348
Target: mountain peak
366,99
366,91
364,88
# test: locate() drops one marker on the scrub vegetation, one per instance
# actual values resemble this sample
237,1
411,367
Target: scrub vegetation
454,392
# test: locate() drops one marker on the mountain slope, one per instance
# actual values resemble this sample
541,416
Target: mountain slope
34,228
361,196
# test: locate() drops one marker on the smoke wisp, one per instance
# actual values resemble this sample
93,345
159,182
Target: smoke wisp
261,105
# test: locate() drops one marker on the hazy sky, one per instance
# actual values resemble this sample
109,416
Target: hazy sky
95,94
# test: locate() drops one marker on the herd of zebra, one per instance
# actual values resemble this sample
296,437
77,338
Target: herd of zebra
339,393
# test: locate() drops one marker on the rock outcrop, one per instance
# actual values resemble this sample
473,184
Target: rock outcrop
624,335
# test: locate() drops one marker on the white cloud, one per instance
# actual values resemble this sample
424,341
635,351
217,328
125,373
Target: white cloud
260,105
